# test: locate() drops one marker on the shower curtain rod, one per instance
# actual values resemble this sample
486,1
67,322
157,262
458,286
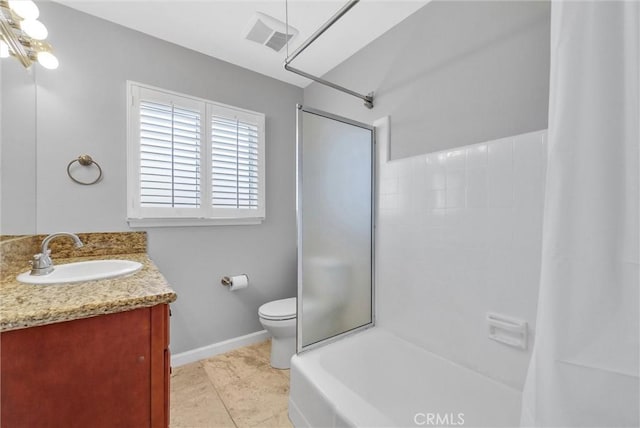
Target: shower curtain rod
368,99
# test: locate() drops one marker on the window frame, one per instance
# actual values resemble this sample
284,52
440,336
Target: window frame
206,214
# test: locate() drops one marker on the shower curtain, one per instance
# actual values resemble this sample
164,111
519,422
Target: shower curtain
584,367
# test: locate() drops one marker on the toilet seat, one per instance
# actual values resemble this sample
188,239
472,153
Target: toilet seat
278,310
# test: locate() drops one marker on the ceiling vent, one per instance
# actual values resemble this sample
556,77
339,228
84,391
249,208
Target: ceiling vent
269,31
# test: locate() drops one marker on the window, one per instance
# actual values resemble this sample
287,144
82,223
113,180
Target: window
192,161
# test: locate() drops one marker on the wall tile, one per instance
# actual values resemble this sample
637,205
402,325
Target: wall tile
500,227
477,155
389,186
388,202
436,199
435,177
455,197
476,182
455,177
527,171
463,227
456,159
500,174
501,152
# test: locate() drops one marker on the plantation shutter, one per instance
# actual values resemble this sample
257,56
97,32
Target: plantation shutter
235,163
169,155
192,162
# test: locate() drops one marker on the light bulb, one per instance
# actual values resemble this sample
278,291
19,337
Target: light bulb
26,9
48,60
4,49
34,29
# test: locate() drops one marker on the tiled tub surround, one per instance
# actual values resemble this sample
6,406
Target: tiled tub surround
25,305
459,235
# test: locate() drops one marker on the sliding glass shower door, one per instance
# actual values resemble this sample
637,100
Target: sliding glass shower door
335,226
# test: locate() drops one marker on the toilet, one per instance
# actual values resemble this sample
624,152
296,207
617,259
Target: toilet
279,319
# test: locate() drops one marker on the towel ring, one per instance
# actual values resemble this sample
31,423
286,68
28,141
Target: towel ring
84,160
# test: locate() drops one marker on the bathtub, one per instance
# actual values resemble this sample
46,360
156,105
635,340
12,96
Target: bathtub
375,379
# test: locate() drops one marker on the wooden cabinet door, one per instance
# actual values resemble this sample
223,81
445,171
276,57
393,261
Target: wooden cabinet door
93,372
160,366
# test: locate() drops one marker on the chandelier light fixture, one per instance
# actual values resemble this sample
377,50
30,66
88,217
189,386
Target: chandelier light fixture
23,36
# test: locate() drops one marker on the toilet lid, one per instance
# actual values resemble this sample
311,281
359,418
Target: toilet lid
283,309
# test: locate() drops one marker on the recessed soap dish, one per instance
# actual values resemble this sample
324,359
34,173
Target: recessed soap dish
508,330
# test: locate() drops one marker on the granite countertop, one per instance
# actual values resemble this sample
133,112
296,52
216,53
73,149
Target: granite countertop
26,305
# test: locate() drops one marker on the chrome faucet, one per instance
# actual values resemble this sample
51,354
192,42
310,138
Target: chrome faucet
41,264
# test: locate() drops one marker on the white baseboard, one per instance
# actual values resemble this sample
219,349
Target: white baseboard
218,348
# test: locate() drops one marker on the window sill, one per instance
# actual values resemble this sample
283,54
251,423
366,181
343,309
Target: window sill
180,222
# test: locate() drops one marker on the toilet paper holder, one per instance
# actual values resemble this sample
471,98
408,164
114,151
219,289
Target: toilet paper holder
227,282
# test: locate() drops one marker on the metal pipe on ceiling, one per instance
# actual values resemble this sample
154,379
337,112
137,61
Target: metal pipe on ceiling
368,99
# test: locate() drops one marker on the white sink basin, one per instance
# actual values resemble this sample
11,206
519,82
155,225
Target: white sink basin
82,271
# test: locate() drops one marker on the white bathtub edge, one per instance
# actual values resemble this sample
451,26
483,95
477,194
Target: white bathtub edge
295,416
320,397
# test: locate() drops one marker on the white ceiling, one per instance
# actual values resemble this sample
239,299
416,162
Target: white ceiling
216,27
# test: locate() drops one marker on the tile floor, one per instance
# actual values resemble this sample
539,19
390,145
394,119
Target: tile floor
237,389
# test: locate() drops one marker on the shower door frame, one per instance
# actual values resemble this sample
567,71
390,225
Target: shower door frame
299,152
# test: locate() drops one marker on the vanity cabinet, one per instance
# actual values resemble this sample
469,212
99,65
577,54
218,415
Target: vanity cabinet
104,371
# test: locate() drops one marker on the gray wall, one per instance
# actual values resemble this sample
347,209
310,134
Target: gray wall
81,108
17,159
454,73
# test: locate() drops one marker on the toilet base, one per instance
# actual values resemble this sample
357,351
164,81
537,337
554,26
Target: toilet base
283,341
282,349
